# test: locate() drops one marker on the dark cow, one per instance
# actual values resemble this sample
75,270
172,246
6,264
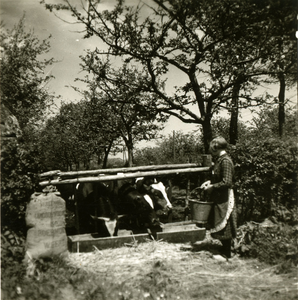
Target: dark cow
96,212
67,192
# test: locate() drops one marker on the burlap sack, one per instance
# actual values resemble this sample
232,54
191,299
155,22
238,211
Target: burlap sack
45,219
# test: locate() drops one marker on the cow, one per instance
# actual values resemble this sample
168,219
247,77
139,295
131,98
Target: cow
156,191
96,212
134,210
67,192
105,207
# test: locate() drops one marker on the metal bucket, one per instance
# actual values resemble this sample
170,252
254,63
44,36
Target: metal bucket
200,210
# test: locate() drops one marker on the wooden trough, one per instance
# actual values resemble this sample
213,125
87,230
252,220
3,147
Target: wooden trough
178,232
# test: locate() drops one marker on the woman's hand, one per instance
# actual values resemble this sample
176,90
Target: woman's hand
207,186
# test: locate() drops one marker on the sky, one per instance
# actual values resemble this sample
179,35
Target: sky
67,44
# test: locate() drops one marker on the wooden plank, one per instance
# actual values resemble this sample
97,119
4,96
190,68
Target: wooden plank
183,236
123,176
50,174
116,170
85,242
178,223
176,228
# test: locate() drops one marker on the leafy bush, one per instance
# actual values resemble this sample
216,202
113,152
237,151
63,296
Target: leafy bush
266,178
272,243
19,172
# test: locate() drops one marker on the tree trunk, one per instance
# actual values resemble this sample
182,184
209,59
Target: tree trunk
281,104
207,133
129,145
234,115
130,156
107,152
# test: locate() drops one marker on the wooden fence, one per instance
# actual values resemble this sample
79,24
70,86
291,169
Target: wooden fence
59,178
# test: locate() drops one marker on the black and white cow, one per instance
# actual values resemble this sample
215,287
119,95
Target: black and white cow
155,191
134,211
124,204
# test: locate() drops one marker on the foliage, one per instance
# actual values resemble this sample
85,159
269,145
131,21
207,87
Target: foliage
265,122
19,179
272,243
174,148
119,92
23,93
23,83
213,46
283,62
148,156
266,176
188,149
78,134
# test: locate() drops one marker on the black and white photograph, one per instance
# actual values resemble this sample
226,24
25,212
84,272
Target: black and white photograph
149,149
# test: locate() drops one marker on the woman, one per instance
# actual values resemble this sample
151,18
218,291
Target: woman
220,190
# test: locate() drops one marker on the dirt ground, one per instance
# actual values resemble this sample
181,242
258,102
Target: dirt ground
160,270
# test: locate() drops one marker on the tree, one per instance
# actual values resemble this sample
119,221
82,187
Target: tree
214,45
23,82
23,102
101,125
74,136
130,112
282,66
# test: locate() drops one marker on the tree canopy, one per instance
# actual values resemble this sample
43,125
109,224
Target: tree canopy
23,79
129,111
217,49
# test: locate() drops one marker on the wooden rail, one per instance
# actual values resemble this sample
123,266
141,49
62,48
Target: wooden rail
58,173
124,176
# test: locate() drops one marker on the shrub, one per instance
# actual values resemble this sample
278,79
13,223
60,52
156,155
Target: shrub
272,243
266,178
19,172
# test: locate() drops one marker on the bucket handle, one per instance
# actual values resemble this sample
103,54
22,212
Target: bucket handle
201,192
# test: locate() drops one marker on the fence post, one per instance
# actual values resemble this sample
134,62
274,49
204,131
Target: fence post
95,206
169,193
77,210
207,162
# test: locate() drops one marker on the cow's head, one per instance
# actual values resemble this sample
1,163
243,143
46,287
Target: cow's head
160,198
96,212
156,191
106,226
